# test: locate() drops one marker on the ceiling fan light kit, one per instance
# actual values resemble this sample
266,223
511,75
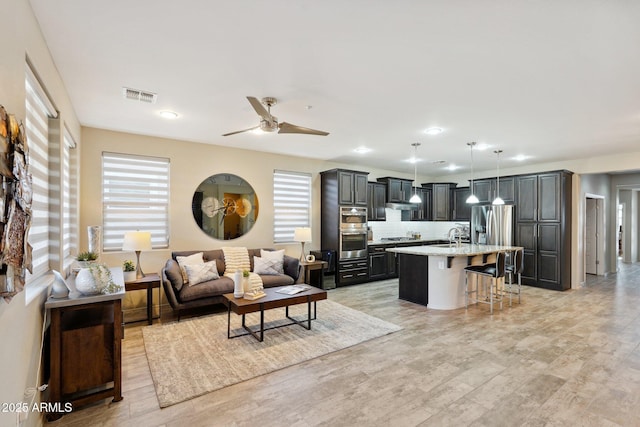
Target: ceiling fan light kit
269,123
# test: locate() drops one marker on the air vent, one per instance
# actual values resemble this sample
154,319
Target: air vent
139,95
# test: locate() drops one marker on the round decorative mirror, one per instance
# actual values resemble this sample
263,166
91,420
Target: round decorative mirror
225,206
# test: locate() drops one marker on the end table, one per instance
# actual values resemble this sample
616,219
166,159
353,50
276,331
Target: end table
148,282
308,266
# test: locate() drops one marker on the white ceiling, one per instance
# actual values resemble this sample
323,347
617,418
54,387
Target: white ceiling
552,80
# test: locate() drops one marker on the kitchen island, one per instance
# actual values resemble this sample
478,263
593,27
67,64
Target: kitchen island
434,275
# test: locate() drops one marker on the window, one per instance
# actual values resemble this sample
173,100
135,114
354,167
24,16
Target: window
135,196
38,111
291,204
69,199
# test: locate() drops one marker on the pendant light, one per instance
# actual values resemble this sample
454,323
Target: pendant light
415,198
498,200
472,197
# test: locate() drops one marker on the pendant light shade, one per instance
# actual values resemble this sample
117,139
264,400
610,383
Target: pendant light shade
498,200
415,198
472,197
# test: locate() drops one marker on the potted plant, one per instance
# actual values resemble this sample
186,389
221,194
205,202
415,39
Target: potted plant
129,269
85,259
245,281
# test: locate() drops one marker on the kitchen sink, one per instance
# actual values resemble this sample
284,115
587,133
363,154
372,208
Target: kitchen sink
443,245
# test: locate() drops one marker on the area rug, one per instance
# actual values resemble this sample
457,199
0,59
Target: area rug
194,357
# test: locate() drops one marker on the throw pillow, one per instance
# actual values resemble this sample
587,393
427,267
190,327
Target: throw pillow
266,266
188,260
198,273
277,256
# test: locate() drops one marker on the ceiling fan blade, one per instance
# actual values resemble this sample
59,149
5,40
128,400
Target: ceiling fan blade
240,131
289,128
262,112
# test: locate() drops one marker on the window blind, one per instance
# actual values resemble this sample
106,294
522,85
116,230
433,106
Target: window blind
291,204
38,110
69,199
135,196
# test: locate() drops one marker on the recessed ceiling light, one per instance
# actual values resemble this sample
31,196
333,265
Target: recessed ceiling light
362,150
521,157
482,146
168,115
453,167
433,131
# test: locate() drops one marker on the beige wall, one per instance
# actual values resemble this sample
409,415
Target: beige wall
191,163
21,320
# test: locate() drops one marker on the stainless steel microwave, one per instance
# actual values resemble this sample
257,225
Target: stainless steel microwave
353,217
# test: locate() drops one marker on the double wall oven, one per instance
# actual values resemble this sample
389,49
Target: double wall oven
353,232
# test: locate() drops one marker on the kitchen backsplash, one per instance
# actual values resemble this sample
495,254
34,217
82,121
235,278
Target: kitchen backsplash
394,227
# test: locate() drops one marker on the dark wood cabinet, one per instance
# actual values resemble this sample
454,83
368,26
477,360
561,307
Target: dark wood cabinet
378,264
527,198
84,355
413,273
376,201
441,200
352,188
543,228
338,187
486,190
549,192
483,190
461,210
352,271
398,190
424,210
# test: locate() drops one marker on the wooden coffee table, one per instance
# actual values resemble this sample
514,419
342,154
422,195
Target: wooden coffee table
272,299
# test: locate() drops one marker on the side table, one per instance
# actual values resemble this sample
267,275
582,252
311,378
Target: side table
309,266
148,282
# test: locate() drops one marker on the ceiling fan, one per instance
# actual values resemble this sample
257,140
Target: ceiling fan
269,123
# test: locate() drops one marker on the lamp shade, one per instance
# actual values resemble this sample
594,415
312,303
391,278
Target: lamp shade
302,234
137,241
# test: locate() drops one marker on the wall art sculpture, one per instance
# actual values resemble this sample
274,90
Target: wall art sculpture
15,206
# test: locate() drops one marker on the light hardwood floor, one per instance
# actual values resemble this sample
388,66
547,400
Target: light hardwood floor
558,359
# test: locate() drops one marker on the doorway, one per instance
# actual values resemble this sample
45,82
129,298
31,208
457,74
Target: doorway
594,236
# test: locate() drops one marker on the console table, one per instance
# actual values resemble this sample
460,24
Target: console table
85,346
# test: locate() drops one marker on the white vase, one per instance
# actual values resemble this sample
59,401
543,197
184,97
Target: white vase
59,288
85,284
238,292
129,276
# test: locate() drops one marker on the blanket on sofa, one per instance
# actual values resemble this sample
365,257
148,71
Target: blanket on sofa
237,258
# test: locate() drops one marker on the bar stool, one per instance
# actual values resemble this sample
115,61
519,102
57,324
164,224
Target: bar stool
495,271
513,271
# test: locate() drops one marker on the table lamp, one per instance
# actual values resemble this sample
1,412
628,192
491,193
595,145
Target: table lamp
137,241
302,234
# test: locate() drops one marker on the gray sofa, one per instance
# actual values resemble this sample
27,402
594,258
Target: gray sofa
183,297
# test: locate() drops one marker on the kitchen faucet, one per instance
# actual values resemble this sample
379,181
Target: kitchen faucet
454,233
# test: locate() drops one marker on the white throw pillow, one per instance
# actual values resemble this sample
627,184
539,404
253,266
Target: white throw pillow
266,266
277,257
198,273
188,260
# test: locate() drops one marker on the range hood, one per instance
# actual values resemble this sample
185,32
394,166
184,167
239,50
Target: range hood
402,206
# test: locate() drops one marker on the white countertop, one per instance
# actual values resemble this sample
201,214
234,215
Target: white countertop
76,298
419,241
465,249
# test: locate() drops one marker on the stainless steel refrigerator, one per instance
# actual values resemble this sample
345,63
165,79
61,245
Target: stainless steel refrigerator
493,225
